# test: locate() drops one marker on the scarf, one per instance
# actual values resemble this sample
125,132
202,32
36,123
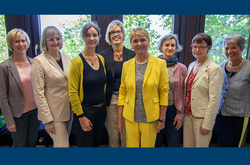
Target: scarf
170,62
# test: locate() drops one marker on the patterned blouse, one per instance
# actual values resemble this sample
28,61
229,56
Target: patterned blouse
190,80
140,114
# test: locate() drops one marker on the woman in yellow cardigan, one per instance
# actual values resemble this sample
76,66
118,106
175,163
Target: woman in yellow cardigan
87,81
143,93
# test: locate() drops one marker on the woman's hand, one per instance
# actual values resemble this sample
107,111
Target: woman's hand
49,127
85,124
120,126
12,128
178,124
204,131
159,126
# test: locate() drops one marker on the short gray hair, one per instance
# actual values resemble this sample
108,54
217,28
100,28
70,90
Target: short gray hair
166,37
235,39
49,31
86,27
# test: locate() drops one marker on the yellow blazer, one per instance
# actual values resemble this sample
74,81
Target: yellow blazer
206,92
155,88
50,86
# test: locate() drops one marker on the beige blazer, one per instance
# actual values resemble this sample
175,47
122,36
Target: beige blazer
206,92
11,91
50,86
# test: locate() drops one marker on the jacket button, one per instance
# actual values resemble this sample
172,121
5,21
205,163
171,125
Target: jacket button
145,100
144,92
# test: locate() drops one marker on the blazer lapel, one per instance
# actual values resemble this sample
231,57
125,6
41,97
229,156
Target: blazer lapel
148,69
132,72
14,72
66,64
53,62
203,69
111,62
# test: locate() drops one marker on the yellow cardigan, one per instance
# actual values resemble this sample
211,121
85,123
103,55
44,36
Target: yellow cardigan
76,84
154,91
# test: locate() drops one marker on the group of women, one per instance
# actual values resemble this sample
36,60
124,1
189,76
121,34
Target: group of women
137,96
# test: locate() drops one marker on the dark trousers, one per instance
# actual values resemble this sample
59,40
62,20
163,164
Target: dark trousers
173,136
229,130
93,138
27,130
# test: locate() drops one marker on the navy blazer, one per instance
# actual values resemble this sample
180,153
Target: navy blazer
11,91
108,56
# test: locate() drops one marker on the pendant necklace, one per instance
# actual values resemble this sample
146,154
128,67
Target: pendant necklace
119,56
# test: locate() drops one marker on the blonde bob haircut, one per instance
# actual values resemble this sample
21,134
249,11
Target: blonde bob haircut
47,32
138,31
13,34
111,27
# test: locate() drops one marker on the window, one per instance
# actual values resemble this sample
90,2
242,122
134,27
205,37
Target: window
157,26
221,26
3,44
70,26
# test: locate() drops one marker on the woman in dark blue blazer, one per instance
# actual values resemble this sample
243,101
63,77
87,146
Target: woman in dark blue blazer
114,59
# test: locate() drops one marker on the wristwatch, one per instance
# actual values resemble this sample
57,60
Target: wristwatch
162,121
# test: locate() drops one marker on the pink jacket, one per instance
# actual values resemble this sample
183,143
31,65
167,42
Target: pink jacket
180,75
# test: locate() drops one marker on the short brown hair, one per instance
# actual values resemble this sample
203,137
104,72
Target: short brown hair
202,37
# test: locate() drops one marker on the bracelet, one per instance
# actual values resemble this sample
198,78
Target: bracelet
162,121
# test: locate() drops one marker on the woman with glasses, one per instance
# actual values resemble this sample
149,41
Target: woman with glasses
114,59
177,72
234,111
202,94
17,100
143,93
49,76
87,86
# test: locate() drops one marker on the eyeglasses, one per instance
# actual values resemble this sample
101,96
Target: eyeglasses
114,32
199,47
53,39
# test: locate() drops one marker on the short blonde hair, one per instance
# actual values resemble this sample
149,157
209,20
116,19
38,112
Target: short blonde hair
138,31
49,31
13,34
111,27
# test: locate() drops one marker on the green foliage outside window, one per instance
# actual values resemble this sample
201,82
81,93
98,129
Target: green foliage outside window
221,26
72,41
133,21
3,44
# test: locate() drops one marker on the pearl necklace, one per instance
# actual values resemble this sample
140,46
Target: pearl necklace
235,67
142,62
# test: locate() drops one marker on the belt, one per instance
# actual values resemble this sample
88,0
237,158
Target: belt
115,92
98,105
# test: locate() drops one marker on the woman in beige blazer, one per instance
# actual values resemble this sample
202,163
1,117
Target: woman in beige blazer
202,97
49,76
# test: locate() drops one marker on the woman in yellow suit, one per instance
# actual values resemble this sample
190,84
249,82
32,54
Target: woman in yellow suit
143,93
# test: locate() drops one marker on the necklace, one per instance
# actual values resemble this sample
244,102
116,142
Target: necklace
142,62
119,56
234,67
88,56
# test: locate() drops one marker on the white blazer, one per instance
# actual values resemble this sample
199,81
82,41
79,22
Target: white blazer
50,86
206,92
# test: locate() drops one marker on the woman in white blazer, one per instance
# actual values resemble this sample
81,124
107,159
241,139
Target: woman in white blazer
202,94
49,76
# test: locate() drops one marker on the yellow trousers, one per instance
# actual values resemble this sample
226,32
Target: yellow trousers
140,134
